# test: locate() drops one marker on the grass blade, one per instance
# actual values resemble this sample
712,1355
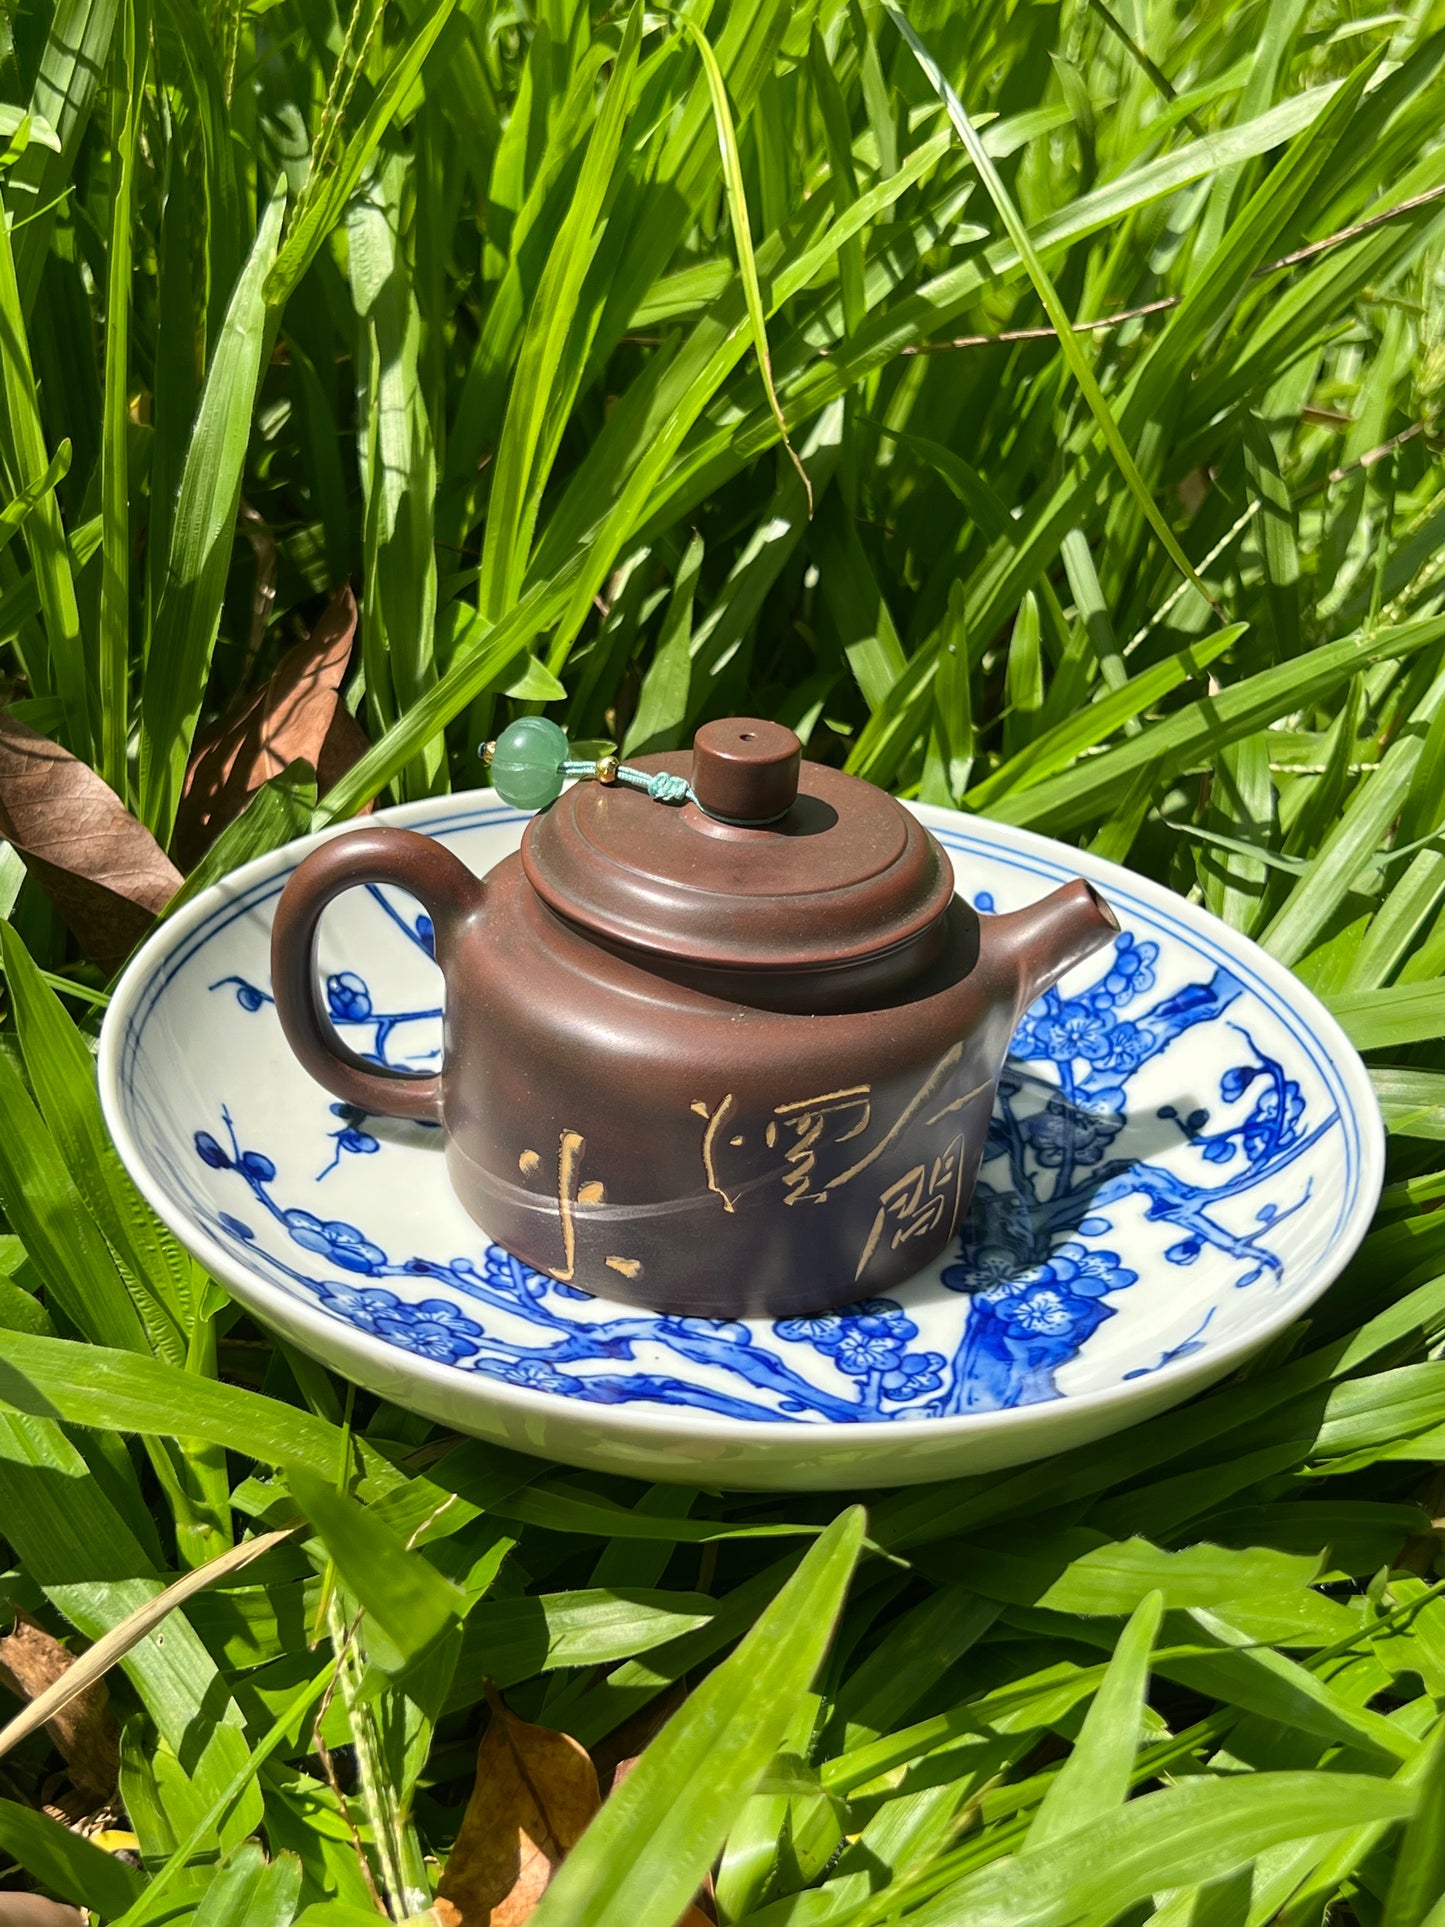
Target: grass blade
640,1861
61,668
189,612
1058,315
113,650
1094,1781
742,233
97,1660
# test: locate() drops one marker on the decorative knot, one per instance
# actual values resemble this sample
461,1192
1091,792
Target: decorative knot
663,787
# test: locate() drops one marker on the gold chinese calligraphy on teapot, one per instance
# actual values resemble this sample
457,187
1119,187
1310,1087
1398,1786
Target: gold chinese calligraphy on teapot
725,1056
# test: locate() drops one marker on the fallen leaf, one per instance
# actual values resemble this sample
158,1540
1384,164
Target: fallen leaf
535,1792
441,1913
99,865
297,714
345,744
34,1910
84,1733
49,1698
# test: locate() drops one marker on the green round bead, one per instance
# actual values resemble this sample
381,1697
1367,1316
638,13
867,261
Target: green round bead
527,763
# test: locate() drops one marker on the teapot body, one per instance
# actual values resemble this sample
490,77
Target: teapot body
728,1055
639,1139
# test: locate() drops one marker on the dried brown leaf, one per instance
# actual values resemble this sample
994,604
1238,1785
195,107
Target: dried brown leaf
84,1733
99,865
535,1792
86,1671
297,714
441,1913
346,743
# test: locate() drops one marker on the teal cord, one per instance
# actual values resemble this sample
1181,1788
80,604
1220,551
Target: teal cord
660,785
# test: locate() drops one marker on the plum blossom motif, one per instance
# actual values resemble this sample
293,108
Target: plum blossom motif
1034,1259
1020,1332
350,1004
334,1239
1037,1288
1062,1131
347,998
248,996
538,1376
913,1375
1037,1309
350,1139
435,1328
867,1342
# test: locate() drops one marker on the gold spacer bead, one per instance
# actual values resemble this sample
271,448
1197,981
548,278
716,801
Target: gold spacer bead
607,769
489,750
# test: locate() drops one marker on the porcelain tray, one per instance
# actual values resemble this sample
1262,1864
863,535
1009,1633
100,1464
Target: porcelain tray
1184,1153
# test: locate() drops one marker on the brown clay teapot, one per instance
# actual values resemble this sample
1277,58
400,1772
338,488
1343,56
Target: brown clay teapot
728,1057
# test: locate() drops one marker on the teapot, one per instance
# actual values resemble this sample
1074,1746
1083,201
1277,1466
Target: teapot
720,1039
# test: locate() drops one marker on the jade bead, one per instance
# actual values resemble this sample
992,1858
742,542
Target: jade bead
527,763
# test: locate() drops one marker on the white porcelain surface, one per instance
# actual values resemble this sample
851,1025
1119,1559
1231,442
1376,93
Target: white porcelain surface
1185,1152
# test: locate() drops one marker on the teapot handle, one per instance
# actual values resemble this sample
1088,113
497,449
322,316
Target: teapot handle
449,893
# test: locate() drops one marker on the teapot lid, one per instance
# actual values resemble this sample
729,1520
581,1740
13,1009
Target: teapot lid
773,864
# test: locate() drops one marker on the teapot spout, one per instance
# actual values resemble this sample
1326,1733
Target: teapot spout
1042,942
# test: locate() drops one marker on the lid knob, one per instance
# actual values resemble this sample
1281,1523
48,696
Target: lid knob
745,770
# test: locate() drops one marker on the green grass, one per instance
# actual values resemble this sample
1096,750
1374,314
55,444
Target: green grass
1037,406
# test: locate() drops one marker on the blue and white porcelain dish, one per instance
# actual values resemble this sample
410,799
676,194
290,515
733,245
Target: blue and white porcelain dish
1184,1153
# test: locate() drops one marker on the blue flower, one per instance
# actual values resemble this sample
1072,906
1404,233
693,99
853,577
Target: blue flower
990,1267
236,1228
1272,1122
877,1315
209,1152
860,1352
914,1374
1131,972
1042,1310
1185,1252
870,1334
1237,1081
426,934
503,1273
1022,1278
820,1331
1063,1130
1089,1274
247,994
347,998
257,1167
342,1243
1073,1031
538,1376
1129,1046
433,1329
